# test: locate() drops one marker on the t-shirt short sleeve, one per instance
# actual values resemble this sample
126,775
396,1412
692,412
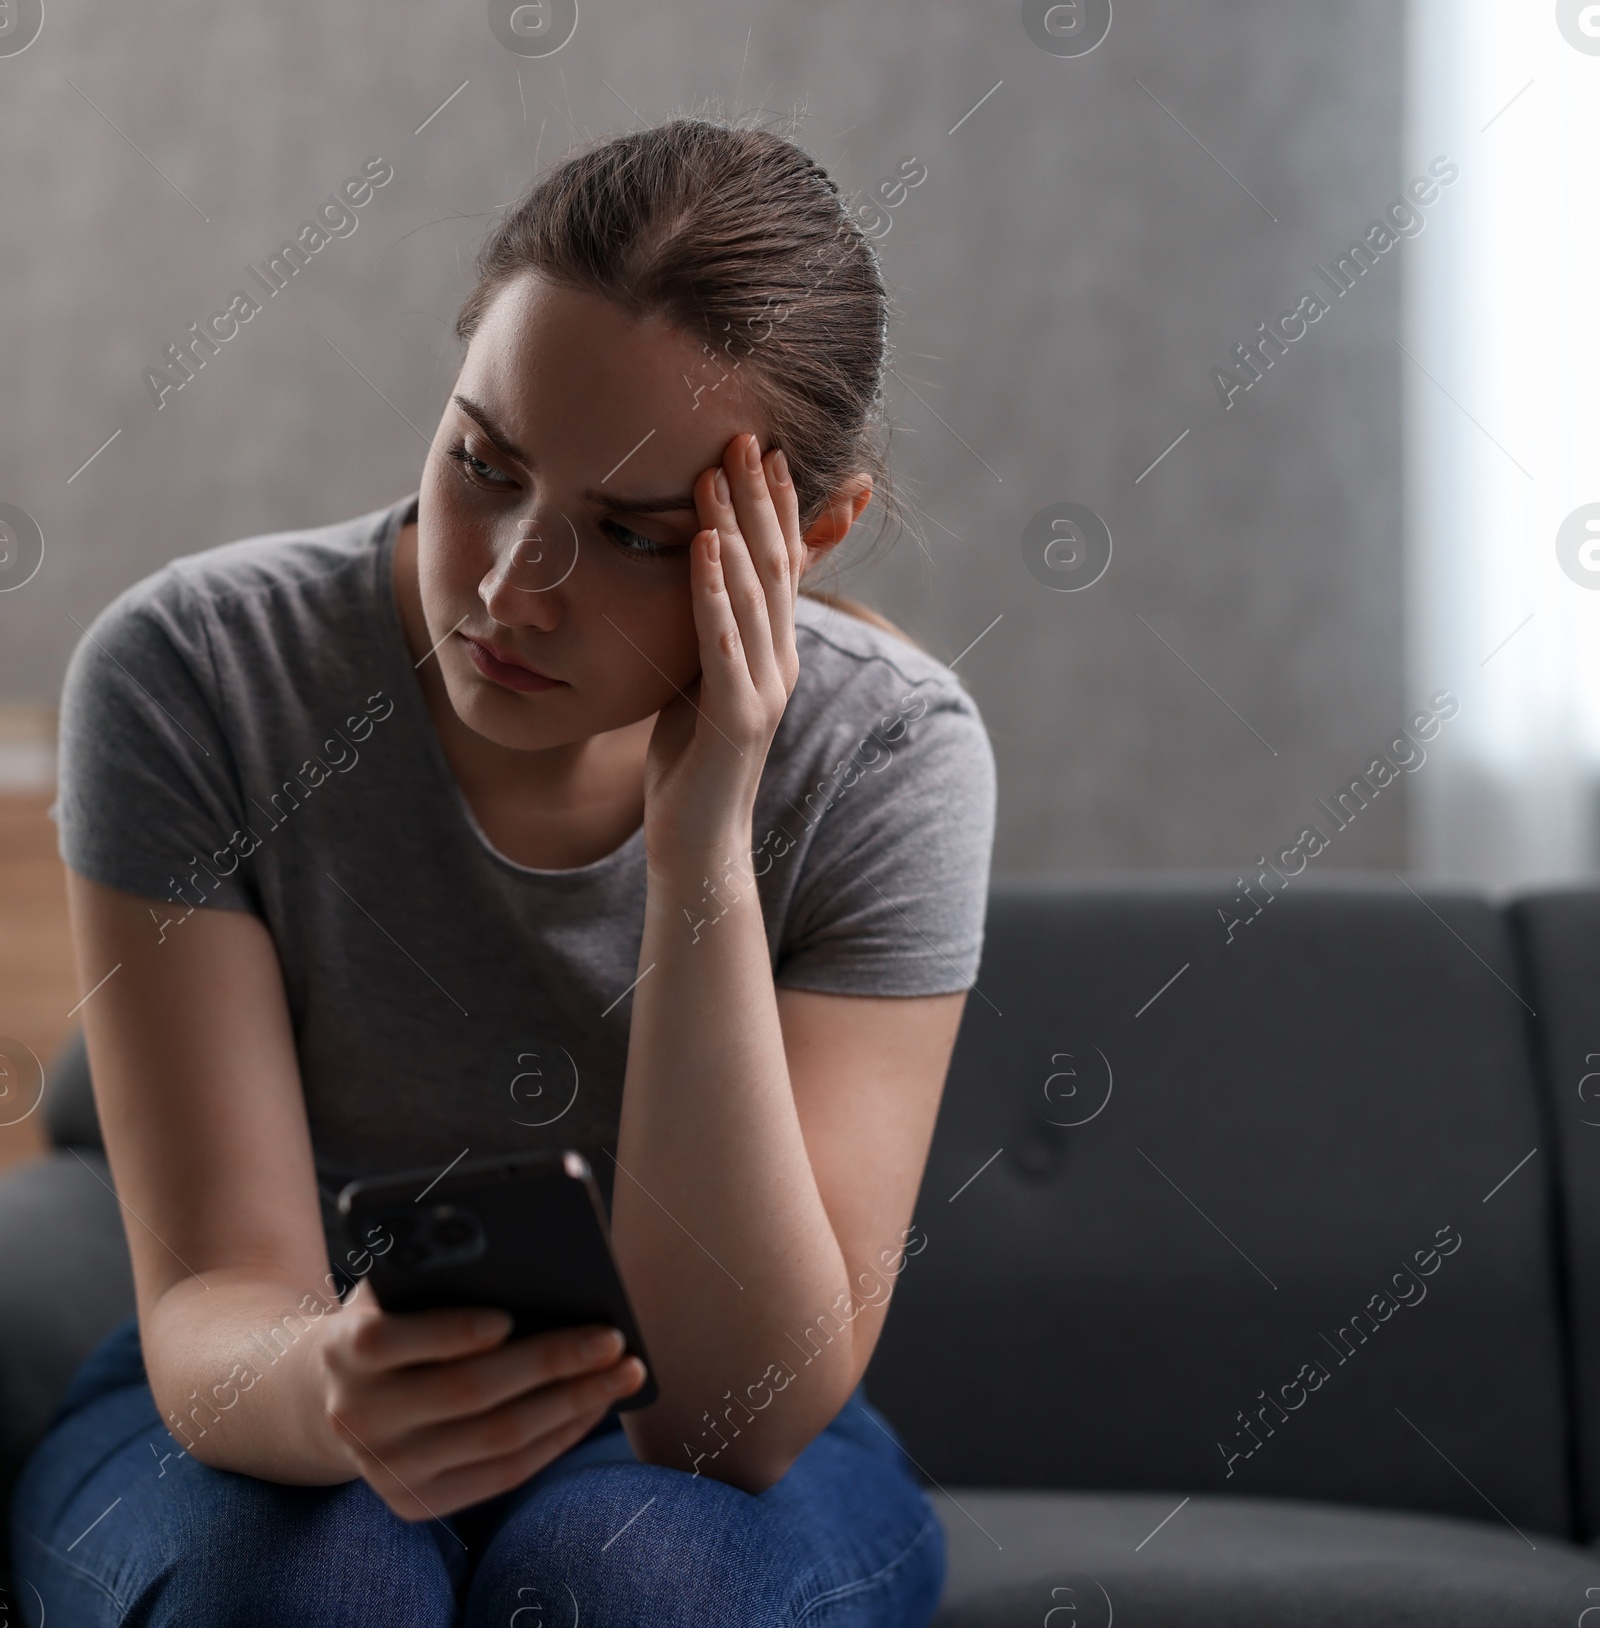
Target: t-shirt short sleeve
148,796
894,889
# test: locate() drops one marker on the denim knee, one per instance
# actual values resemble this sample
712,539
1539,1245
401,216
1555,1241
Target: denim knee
212,1546
642,1545
257,1551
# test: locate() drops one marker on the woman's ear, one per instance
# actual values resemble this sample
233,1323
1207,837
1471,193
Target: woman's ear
831,527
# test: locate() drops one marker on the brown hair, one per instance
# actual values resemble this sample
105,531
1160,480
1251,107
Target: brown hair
737,236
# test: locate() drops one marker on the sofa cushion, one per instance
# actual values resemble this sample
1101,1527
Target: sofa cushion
65,1283
1560,935
1080,1560
1239,1216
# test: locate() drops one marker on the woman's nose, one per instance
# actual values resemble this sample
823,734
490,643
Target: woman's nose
524,584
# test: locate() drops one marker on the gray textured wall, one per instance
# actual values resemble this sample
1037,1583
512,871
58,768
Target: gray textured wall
1069,274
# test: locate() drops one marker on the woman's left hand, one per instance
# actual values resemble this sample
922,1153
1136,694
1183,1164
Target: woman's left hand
710,741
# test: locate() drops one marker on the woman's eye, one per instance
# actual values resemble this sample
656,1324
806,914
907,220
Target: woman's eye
478,469
630,542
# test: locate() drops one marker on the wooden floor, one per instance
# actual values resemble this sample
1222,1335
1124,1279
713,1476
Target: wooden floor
38,986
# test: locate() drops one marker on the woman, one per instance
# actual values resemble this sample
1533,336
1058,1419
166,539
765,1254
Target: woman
538,809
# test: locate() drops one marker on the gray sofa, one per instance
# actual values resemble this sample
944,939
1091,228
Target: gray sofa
1257,1267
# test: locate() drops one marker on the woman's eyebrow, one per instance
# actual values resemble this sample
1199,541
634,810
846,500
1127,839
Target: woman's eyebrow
480,416
607,500
639,505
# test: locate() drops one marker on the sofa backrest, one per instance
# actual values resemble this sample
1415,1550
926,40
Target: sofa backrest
1560,940
1245,1208
1174,1168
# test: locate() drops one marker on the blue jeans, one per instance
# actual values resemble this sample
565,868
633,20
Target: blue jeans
113,1524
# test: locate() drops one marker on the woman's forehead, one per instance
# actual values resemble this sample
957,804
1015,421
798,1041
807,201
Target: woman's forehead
569,378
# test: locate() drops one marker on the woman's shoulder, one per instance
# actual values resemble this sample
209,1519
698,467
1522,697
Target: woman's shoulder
261,628
882,778
869,702
329,557
846,659
305,578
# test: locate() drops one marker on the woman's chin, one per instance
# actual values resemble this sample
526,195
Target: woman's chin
505,718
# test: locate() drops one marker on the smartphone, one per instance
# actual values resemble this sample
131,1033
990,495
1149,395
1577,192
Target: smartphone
525,1233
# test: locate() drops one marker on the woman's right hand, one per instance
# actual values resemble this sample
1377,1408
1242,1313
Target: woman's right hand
437,1410
201,1105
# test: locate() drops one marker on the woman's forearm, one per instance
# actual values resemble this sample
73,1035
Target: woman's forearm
717,1220
232,1363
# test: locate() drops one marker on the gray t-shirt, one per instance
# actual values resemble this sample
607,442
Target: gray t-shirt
244,730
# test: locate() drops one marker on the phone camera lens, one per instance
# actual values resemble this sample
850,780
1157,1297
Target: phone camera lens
454,1235
453,1230
440,1235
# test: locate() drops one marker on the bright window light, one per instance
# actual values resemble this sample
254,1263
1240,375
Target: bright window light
1502,378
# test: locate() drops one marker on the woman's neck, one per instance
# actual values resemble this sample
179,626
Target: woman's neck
554,809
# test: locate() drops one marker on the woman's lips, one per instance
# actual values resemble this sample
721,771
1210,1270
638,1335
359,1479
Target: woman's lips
512,676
